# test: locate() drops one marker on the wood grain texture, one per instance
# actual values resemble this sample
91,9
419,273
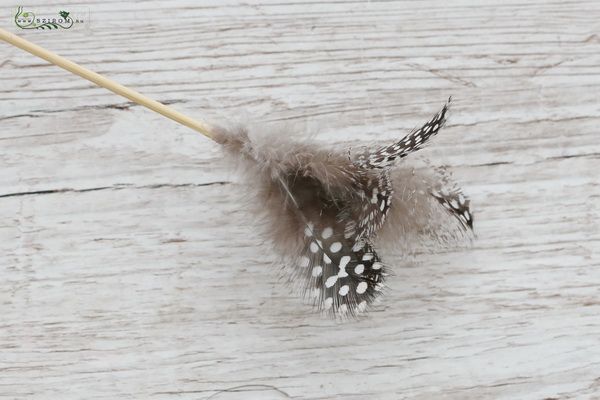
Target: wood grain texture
128,269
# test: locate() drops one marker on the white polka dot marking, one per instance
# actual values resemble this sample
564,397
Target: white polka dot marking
314,247
326,259
361,287
335,247
377,265
359,269
327,232
343,263
358,246
328,303
344,290
331,281
317,271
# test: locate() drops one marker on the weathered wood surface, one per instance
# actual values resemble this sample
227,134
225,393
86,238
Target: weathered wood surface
128,270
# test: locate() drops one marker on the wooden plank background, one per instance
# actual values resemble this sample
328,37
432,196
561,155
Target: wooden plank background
129,271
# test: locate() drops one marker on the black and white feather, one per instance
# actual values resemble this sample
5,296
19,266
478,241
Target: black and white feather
327,212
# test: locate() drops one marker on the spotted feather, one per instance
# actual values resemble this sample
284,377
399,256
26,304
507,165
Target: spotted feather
385,156
375,198
341,277
337,265
325,211
457,204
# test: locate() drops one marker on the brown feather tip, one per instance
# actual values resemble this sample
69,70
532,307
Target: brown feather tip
327,212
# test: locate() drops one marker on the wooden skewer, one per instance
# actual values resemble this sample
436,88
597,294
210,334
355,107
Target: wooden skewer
207,130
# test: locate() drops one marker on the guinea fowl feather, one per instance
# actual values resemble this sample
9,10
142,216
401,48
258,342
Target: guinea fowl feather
328,211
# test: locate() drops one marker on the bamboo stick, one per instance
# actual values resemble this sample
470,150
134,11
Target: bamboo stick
204,128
